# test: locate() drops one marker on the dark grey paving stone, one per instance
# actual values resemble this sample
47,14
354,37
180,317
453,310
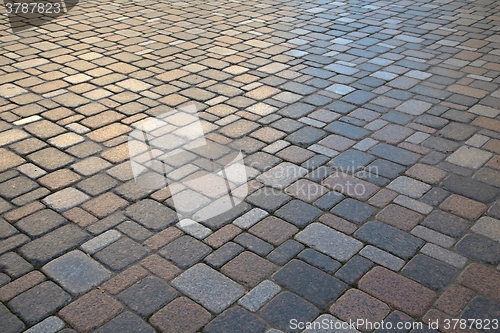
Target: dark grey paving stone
147,296
214,291
39,302
435,196
10,323
14,265
6,229
494,211
309,282
254,244
286,307
298,213
354,211
227,217
440,144
287,125
4,279
151,214
53,244
347,130
359,97
286,251
223,254
429,272
268,198
480,248
394,318
395,154
319,260
126,322
106,223
470,188
185,251
327,201
354,269
296,110
261,161
315,162
40,222
457,131
236,320
298,88
320,173
247,145
306,136
134,231
482,308
386,168
76,272
341,107
446,223
121,254
373,178
389,239
350,161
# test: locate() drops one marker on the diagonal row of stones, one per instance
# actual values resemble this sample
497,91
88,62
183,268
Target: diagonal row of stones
388,125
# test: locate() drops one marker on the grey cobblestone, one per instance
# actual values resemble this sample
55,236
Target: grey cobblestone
259,295
382,258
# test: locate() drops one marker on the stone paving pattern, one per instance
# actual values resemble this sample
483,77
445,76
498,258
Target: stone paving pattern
387,112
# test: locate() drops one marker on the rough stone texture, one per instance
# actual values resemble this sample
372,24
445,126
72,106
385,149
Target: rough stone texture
147,296
76,272
152,214
39,302
389,239
287,306
314,285
398,291
248,269
90,311
53,244
259,295
172,317
328,241
236,319
208,287
185,251
430,272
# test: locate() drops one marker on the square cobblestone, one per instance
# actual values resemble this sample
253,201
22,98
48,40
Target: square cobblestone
147,296
90,311
76,272
248,269
39,302
329,241
210,288
173,317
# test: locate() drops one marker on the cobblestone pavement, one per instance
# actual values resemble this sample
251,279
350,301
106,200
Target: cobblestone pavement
387,112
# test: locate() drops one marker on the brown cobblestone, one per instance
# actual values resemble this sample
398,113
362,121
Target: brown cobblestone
222,236
454,300
161,267
90,311
162,238
482,279
20,285
125,279
398,291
